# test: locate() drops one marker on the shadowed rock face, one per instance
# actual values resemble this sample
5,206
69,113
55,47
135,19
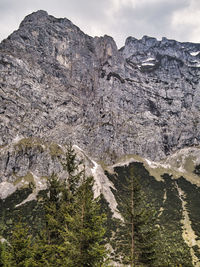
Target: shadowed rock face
60,84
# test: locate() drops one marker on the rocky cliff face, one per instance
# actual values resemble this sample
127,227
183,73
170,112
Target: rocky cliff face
60,84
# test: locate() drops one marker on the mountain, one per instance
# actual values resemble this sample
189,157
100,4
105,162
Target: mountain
138,105
59,84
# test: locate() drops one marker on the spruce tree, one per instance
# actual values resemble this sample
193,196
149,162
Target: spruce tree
72,165
84,237
73,230
58,209
1,254
48,248
136,235
52,206
19,252
169,250
5,255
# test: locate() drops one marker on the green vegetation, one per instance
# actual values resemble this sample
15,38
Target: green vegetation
19,252
85,240
27,143
192,198
72,227
39,144
1,254
55,150
27,179
66,226
136,235
170,248
173,248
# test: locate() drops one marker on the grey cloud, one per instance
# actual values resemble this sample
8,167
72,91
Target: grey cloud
150,18
79,11
147,17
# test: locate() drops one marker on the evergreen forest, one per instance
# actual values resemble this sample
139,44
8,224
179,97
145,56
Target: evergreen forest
77,230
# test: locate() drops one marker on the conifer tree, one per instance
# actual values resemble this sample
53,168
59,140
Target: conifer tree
1,254
71,165
58,209
5,255
85,233
53,216
73,230
135,236
48,248
170,252
19,252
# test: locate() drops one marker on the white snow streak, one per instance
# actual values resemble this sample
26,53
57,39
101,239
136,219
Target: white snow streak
148,64
194,53
149,59
75,146
103,185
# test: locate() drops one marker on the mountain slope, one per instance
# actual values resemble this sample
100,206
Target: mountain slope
135,106
176,197
59,84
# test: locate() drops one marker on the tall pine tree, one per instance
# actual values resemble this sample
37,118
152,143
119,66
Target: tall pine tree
19,252
136,235
73,231
1,254
49,242
84,237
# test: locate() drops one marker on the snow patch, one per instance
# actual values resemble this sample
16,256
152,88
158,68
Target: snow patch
29,198
125,162
97,184
149,59
181,169
3,240
194,53
188,233
148,64
197,65
103,185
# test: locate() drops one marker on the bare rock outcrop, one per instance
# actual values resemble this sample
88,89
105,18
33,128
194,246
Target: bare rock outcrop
59,84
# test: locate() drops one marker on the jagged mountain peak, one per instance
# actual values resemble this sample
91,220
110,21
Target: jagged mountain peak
150,42
35,17
59,85
65,85
42,18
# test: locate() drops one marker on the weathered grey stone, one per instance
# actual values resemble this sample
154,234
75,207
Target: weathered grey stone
61,85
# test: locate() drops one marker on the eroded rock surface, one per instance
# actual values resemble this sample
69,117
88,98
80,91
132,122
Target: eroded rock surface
60,84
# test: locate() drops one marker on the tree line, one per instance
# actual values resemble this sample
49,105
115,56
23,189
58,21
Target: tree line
74,227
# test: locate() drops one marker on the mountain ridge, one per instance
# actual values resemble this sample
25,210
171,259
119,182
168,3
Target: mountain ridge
139,99
134,106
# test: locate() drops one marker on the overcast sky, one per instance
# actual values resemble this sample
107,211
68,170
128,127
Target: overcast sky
174,19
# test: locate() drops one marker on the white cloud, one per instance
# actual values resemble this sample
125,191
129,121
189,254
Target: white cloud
178,19
187,22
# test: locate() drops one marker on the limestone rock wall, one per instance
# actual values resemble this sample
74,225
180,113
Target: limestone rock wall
59,84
